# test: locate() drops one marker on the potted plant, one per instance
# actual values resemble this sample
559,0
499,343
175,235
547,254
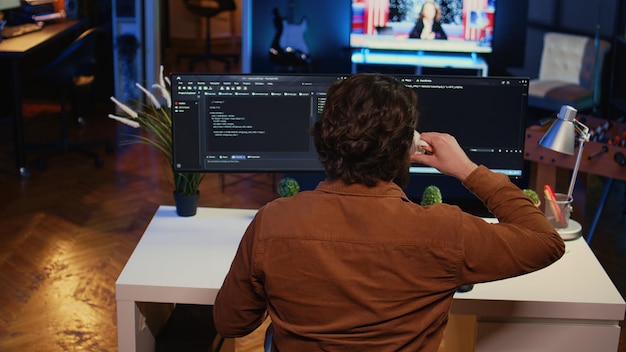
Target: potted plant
155,119
530,193
288,187
431,195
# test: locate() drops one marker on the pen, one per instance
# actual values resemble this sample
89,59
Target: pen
556,210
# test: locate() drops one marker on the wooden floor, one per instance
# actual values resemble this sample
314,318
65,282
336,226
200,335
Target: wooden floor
67,231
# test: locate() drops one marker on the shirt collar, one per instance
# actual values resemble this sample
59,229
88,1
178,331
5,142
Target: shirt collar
382,189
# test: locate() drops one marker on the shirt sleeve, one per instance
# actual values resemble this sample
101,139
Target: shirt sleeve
522,241
239,309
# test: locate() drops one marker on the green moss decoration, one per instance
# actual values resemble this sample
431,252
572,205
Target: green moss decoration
432,195
530,193
288,187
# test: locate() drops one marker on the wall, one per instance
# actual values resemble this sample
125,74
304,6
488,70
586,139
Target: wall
326,34
186,25
183,24
607,18
566,16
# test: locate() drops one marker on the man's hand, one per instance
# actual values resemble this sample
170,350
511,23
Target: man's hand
445,154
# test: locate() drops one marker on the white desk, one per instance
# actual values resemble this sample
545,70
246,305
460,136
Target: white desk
178,260
569,306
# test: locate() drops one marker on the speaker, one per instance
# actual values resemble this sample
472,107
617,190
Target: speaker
71,9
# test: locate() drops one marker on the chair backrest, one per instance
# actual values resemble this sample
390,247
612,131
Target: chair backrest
269,338
572,59
78,59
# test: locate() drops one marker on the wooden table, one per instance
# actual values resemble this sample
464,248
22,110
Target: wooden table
13,53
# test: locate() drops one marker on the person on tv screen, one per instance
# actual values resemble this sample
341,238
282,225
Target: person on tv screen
355,265
428,24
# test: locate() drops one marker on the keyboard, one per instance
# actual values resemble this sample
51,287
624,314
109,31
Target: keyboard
21,29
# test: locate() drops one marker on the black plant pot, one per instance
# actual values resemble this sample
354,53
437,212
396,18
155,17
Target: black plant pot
186,205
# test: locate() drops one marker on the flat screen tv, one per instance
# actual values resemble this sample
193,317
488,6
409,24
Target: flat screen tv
461,26
261,122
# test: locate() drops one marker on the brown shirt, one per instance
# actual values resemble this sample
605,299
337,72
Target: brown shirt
351,268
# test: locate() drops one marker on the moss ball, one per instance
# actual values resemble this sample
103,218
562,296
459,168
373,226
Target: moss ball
288,187
530,193
432,195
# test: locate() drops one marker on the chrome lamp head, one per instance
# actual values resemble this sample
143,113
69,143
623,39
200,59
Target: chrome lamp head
561,137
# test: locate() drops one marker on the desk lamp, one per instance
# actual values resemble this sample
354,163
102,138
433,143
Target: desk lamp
561,135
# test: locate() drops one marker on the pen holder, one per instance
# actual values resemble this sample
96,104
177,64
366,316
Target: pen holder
558,212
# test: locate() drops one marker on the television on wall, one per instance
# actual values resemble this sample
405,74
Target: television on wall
466,26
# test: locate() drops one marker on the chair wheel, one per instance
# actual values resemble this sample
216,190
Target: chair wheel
24,172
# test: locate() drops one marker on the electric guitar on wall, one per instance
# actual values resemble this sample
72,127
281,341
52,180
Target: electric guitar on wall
289,46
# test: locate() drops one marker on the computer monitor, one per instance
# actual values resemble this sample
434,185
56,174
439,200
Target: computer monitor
9,4
261,122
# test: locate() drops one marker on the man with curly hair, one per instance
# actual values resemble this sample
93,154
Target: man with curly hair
354,265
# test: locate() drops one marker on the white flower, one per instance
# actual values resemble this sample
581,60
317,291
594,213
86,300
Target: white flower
125,121
130,112
163,88
165,93
153,99
161,77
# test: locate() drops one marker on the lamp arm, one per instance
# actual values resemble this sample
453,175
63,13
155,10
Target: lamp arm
576,167
583,131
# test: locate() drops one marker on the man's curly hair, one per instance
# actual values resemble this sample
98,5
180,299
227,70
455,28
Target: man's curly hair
366,128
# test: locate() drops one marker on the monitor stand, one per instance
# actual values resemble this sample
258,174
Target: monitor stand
420,59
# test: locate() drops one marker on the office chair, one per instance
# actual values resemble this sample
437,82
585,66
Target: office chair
73,74
189,328
209,9
269,338
569,73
